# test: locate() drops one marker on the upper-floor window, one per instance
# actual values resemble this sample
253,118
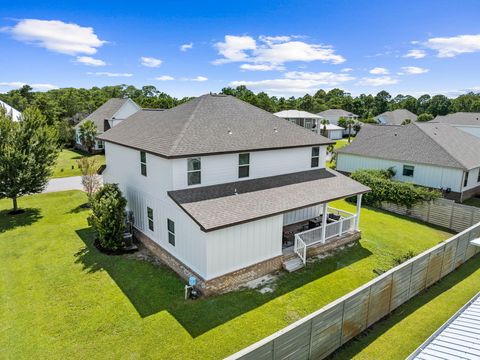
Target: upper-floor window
150,218
243,165
194,172
408,170
143,163
171,232
315,156
465,179
478,176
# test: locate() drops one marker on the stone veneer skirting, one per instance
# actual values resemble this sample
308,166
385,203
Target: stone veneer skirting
235,279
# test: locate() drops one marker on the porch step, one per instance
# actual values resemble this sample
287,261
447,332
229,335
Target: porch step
293,264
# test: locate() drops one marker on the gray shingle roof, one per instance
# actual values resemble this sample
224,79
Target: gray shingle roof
336,112
209,124
459,118
396,117
217,206
105,111
422,143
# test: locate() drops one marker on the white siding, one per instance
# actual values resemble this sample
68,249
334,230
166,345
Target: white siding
426,175
219,169
472,179
335,134
295,216
473,130
243,245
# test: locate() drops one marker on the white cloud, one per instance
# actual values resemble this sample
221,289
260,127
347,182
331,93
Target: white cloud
19,84
378,71
150,61
415,53
57,36
414,70
296,82
165,78
453,46
346,70
198,78
110,74
186,47
377,81
88,60
261,67
273,50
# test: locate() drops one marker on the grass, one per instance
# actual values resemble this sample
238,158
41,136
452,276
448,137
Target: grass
60,298
474,201
67,163
412,323
341,143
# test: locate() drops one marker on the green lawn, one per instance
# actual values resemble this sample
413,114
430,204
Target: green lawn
67,163
341,143
60,298
410,325
475,201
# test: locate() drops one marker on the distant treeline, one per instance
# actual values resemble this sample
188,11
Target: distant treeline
74,104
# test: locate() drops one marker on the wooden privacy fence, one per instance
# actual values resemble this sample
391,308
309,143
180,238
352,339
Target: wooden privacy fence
441,212
322,332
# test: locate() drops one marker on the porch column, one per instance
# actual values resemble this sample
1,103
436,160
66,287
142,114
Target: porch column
357,217
324,222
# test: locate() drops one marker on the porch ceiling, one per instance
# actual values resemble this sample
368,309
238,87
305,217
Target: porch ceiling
219,206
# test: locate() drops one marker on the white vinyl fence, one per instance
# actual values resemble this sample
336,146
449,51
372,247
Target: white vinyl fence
322,332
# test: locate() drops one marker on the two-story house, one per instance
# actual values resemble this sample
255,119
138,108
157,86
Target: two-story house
109,114
227,192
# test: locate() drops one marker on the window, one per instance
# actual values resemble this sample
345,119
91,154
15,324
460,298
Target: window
194,166
315,156
100,144
243,165
143,163
150,218
408,170
478,177
171,232
465,179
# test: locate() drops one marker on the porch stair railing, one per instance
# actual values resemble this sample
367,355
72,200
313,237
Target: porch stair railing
300,248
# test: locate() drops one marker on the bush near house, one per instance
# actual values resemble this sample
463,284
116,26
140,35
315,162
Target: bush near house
384,189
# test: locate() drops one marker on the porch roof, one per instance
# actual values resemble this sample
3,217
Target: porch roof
219,206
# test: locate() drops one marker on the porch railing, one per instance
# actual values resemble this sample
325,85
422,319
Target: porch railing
300,248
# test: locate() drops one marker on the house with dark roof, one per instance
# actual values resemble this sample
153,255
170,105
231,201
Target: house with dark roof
227,192
465,121
333,115
429,154
111,113
396,117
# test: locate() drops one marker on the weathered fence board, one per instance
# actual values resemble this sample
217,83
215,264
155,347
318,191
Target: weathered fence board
322,332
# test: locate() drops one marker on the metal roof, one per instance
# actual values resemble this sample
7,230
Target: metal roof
458,338
297,114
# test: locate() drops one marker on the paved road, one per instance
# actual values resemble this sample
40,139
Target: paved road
62,184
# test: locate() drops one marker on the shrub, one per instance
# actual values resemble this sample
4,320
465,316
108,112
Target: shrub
108,216
388,190
425,117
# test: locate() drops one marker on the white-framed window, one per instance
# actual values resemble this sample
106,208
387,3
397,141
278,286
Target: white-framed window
194,171
100,144
171,232
244,165
478,176
143,163
150,219
315,156
465,179
408,170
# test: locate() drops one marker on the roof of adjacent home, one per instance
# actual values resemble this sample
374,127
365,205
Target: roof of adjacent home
105,112
14,113
337,112
458,338
296,114
209,124
396,117
218,206
422,143
460,118
331,127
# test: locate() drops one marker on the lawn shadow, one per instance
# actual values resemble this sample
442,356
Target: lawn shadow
362,341
80,208
151,288
28,217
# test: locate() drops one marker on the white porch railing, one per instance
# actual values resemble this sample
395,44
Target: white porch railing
300,248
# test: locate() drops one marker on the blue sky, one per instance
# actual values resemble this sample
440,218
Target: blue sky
283,47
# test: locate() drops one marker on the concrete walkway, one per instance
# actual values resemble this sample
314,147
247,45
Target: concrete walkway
63,184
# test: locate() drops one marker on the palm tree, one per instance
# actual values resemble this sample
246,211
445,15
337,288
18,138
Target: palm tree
324,123
88,131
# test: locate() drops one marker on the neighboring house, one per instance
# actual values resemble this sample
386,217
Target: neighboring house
227,192
110,114
333,115
429,154
334,132
395,117
15,114
466,121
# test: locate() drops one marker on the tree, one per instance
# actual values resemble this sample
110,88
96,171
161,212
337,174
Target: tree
88,131
406,122
108,216
28,150
91,181
66,133
347,124
324,123
424,117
